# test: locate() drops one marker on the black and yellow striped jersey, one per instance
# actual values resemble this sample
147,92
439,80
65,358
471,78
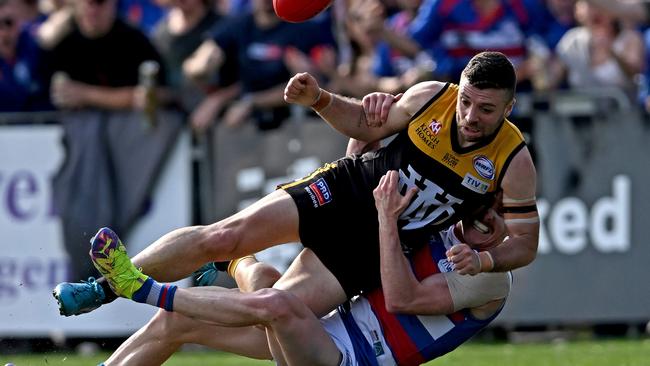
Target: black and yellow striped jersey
453,181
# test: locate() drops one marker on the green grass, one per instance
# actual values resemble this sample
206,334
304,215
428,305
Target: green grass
581,353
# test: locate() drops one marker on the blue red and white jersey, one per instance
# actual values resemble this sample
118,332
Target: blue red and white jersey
546,26
453,31
416,339
141,14
388,61
24,83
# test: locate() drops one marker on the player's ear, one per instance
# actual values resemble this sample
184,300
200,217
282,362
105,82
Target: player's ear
510,106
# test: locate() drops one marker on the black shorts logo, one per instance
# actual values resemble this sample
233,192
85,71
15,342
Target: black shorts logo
319,192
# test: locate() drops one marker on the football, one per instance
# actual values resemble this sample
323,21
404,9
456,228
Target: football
296,11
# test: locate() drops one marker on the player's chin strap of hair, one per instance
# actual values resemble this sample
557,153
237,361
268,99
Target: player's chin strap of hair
323,101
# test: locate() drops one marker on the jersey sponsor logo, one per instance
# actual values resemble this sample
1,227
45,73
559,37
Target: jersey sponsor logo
450,160
475,184
435,126
445,266
319,192
431,205
484,166
427,136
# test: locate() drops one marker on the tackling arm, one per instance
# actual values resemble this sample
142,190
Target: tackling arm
403,292
520,213
436,294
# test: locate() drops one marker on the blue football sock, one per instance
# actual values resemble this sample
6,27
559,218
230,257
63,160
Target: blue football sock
156,294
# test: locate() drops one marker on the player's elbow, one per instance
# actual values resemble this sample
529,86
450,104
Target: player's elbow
522,248
394,308
532,254
397,304
533,243
529,253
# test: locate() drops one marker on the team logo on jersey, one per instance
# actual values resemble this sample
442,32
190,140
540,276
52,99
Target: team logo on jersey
319,192
475,184
426,134
435,126
484,166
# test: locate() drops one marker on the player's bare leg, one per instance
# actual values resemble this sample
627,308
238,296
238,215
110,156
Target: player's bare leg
166,332
270,221
312,283
251,275
307,278
299,332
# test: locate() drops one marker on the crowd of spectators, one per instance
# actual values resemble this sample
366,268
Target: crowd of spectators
227,60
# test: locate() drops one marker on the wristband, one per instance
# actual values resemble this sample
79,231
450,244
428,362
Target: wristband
489,255
323,101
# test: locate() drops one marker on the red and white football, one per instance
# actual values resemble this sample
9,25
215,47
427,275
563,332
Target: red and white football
296,11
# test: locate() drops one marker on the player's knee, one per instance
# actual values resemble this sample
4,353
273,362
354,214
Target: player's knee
259,275
278,306
167,324
220,240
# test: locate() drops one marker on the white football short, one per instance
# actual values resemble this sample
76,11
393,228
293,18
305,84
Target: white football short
369,325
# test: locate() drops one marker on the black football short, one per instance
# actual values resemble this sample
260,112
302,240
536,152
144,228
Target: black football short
338,221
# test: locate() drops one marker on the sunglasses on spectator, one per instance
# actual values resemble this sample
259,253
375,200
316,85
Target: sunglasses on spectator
7,22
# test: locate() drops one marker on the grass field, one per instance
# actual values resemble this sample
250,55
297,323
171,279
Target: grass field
583,353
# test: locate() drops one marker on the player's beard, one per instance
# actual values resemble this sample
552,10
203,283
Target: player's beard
474,132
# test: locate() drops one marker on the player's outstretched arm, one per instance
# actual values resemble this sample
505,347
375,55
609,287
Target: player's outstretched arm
433,295
347,115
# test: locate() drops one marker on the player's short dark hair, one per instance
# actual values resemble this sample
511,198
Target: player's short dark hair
491,70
